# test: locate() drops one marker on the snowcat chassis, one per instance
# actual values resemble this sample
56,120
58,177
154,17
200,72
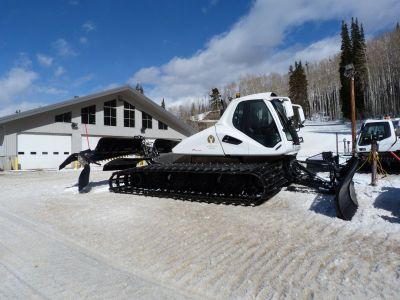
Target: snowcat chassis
228,183
238,184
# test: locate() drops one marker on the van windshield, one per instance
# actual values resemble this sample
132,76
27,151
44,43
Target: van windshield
377,131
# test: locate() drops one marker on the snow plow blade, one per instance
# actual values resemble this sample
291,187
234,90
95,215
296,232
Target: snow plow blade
73,157
84,178
346,200
107,148
117,149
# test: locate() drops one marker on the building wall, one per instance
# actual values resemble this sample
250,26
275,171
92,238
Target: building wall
2,133
2,152
8,150
44,123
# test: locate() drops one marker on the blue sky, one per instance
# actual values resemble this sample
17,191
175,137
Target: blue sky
53,50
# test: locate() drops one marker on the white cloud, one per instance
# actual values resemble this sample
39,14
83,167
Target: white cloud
44,60
23,61
147,75
50,90
83,40
206,9
59,71
100,87
255,44
319,50
88,26
82,80
16,82
112,85
64,48
21,106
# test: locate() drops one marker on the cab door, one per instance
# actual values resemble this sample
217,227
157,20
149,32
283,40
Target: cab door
233,141
252,130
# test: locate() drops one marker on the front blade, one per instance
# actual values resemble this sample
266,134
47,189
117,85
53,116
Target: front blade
84,178
70,159
346,200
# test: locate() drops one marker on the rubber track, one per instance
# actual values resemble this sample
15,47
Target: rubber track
237,184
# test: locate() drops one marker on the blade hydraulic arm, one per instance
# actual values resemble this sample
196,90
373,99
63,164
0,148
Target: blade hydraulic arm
340,183
107,148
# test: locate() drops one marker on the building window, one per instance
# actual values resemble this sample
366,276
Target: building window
110,113
129,115
88,115
162,126
64,118
147,121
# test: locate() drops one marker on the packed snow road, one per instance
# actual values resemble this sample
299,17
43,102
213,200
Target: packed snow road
56,243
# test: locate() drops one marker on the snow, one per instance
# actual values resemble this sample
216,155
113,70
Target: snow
319,138
200,117
57,243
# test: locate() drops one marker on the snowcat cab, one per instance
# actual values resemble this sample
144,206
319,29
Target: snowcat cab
254,127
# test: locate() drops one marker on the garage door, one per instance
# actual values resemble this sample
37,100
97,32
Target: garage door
42,151
93,140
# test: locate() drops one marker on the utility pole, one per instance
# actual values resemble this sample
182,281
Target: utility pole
349,72
353,117
374,162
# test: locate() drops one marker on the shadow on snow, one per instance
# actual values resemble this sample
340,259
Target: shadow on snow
325,205
389,200
91,185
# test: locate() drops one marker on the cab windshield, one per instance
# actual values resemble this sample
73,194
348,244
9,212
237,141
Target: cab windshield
291,134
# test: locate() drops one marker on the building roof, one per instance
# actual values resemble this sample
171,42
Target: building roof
142,100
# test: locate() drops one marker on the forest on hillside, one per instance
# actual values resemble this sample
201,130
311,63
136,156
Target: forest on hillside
377,85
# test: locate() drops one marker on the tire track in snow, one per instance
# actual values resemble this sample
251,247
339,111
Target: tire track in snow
115,283
279,249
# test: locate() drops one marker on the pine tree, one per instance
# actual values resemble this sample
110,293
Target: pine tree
193,111
139,88
359,61
345,59
216,100
298,87
163,103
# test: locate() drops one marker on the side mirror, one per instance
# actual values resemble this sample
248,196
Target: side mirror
288,109
299,117
397,131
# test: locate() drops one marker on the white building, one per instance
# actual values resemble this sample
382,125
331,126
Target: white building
44,137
